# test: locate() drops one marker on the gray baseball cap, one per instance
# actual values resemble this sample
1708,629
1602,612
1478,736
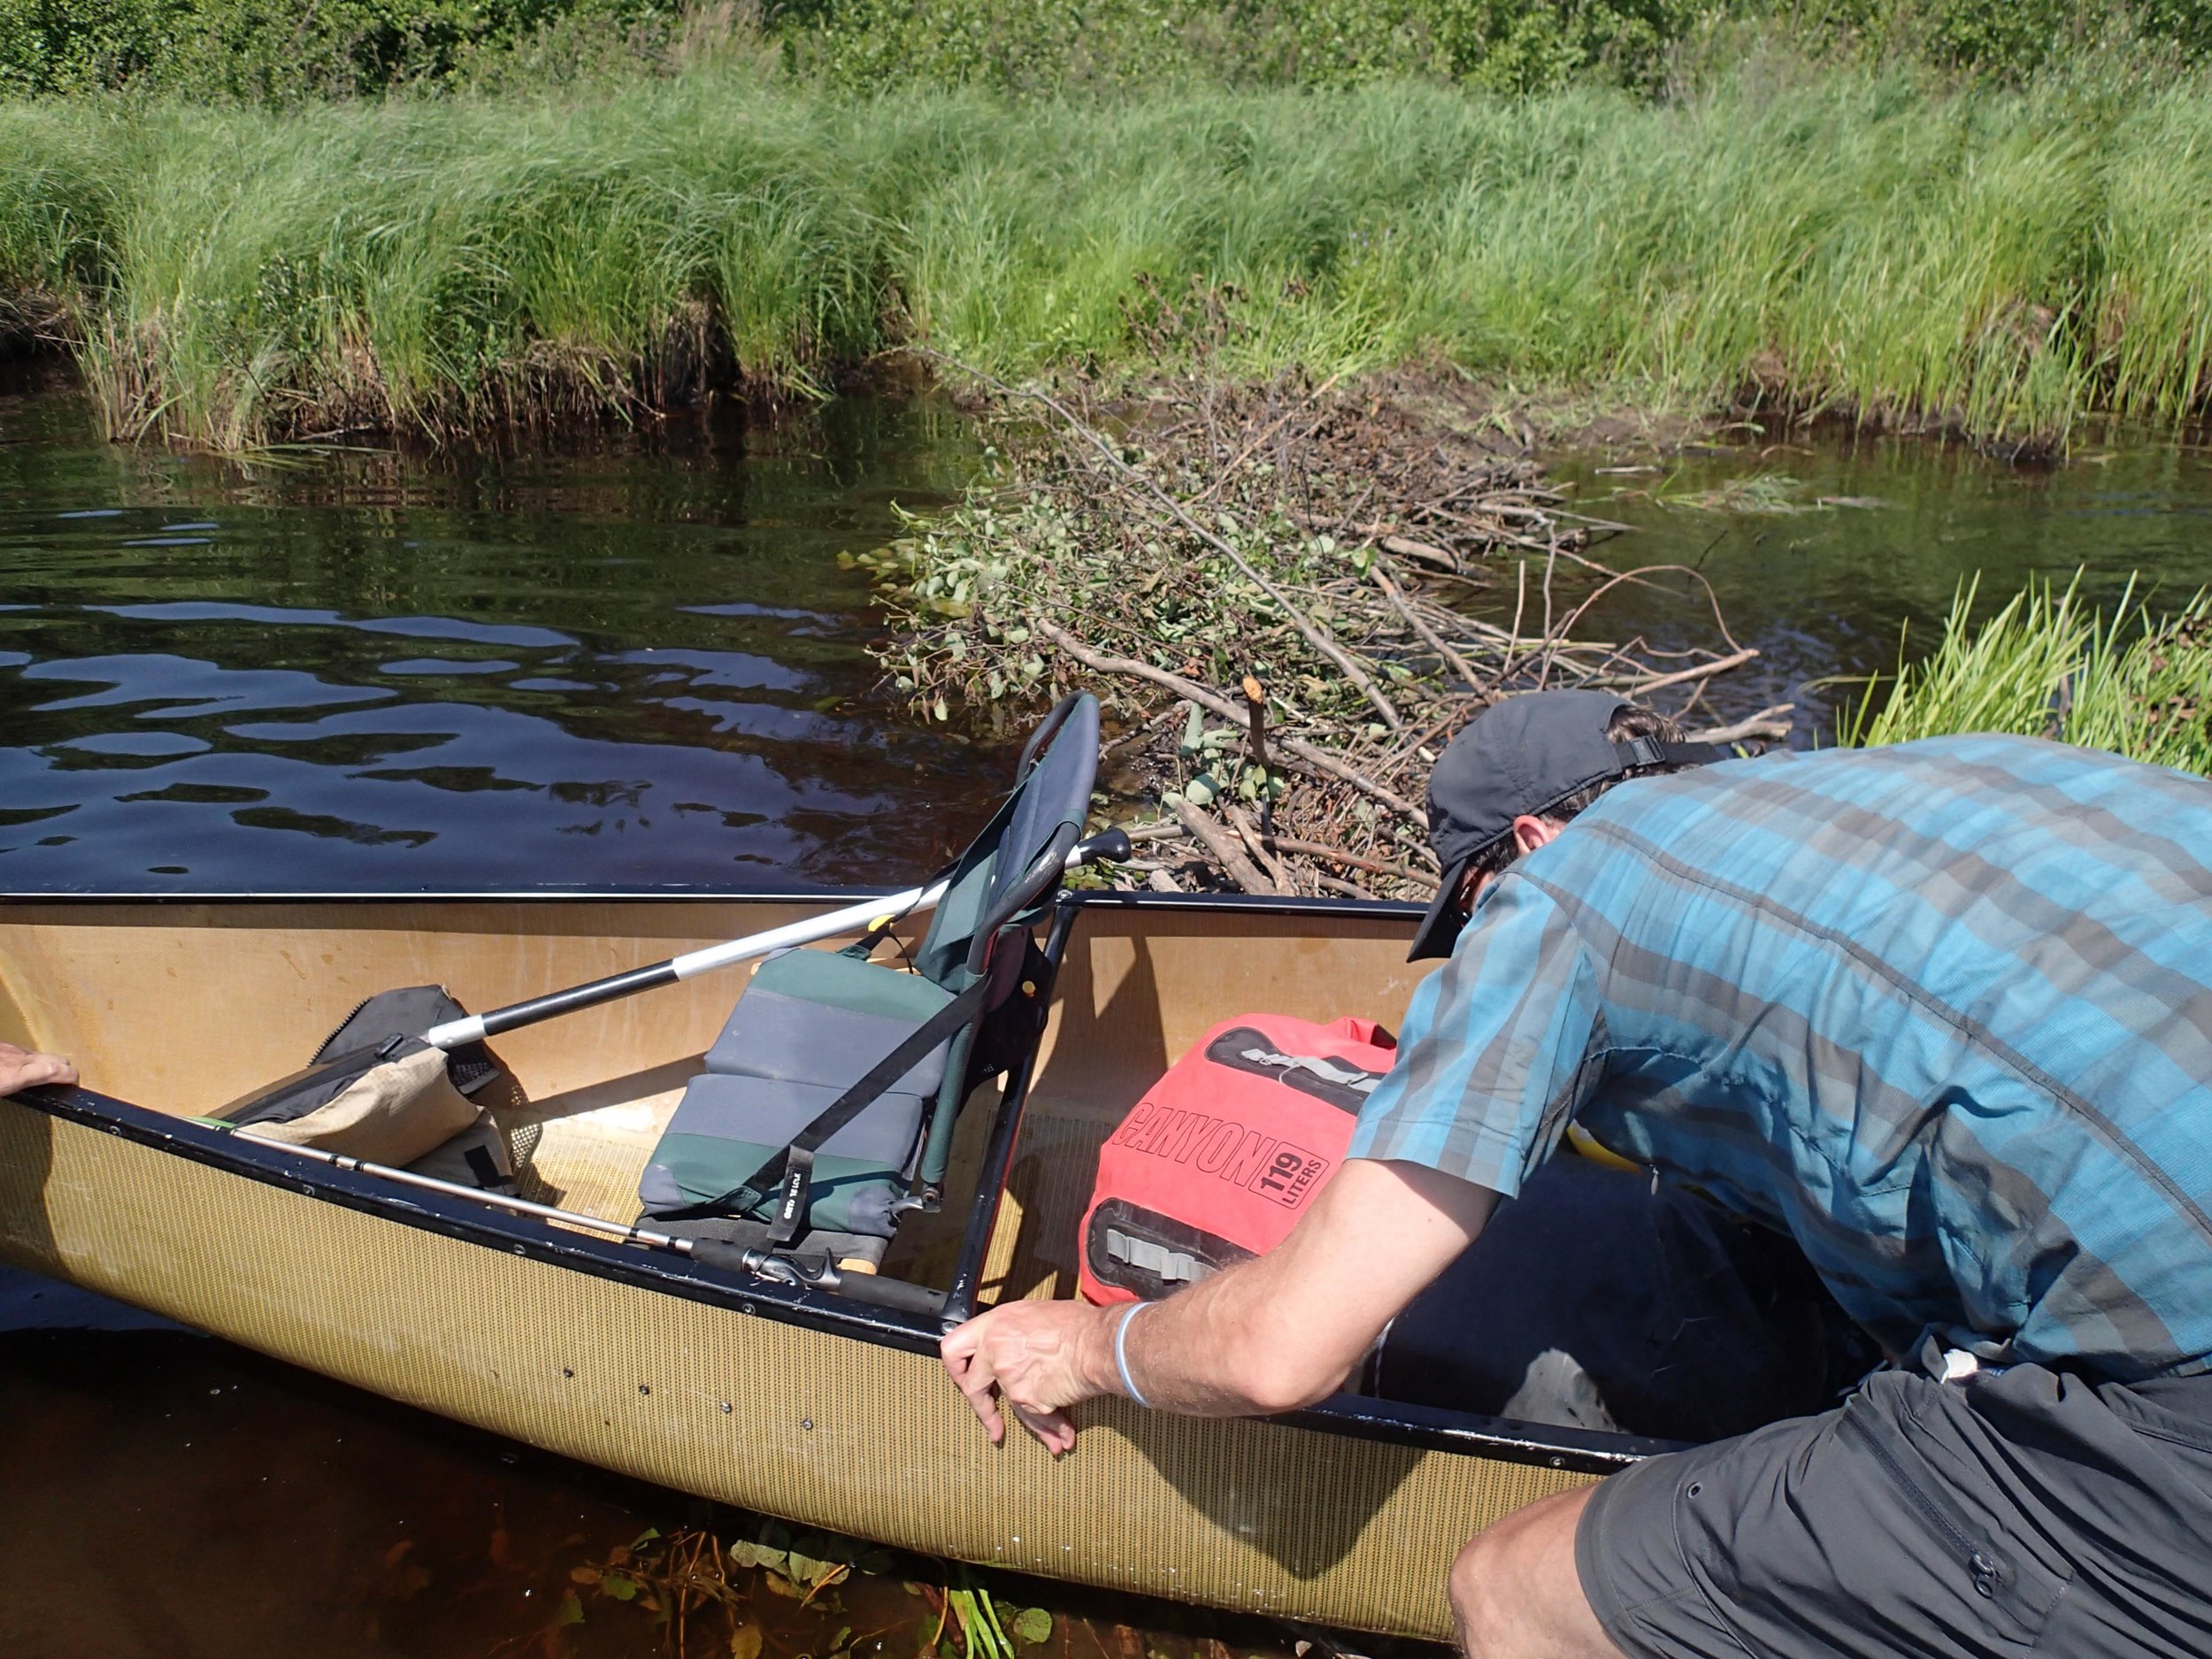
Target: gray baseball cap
1525,756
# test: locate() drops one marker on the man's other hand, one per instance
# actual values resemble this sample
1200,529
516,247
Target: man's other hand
1040,1357
21,1069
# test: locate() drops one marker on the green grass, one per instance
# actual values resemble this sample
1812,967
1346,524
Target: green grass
2004,260
2045,666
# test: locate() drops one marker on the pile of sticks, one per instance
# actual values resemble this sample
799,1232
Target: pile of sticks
1291,597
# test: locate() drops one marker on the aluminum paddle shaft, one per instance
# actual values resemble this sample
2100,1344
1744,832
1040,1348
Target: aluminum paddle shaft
457,1032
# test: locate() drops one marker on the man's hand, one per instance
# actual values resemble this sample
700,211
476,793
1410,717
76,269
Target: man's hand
1042,1357
1267,1335
19,1069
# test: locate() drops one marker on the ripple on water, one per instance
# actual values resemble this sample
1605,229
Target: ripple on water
628,659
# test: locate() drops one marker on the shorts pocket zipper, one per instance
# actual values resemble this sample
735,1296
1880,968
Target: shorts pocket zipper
1988,1571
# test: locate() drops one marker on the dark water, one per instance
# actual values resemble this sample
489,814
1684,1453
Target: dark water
1832,555
168,1497
641,666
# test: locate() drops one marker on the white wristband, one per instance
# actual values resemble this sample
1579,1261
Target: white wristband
1121,1353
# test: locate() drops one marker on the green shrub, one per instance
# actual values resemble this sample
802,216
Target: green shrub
1030,47
279,50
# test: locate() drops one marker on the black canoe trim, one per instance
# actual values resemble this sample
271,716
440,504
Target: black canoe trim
1365,910
1393,1422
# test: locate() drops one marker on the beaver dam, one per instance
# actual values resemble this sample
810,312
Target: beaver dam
1285,594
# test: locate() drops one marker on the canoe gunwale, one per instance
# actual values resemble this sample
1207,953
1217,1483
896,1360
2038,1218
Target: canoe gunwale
1104,898
1390,1422
266,1162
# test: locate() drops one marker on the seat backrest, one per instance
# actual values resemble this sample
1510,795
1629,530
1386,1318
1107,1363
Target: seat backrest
1052,791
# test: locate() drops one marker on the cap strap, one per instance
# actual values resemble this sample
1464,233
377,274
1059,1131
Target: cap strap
1652,751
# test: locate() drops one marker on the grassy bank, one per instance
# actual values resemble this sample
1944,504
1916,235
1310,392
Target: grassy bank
2004,260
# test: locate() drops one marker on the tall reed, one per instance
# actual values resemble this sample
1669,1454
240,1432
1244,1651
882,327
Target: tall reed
2004,261
2045,666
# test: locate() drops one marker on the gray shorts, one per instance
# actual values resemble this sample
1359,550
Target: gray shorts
2024,1512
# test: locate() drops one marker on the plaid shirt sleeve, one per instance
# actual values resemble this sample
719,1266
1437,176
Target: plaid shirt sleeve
1499,1047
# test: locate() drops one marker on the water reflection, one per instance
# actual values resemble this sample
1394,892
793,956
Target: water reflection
637,666
169,1495
1825,553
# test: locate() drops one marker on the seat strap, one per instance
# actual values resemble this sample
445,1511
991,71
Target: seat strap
794,1166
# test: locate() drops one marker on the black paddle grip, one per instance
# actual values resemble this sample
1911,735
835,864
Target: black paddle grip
895,1293
891,1293
1110,844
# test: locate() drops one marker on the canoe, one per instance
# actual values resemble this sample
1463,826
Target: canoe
794,1401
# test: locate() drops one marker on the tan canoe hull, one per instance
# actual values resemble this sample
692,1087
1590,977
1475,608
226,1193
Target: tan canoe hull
567,1344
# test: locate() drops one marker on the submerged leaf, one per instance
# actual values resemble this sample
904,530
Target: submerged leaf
1032,1625
570,1610
745,1641
620,1585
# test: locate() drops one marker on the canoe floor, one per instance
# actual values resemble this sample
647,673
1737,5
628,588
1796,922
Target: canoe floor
181,1007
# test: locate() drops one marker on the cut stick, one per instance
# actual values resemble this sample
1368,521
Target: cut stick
1315,759
1768,723
1683,676
1354,861
1349,889
1458,664
1406,547
1254,843
1226,853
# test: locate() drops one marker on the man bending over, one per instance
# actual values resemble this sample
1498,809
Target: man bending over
1942,1012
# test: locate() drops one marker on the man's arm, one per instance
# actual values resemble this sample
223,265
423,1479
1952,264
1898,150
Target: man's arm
21,1069
1270,1334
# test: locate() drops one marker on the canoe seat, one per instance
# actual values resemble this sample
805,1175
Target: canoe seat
755,1156
809,1026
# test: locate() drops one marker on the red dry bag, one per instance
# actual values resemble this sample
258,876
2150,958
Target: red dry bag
1223,1154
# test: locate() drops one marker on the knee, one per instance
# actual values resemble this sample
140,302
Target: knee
1515,1591
1482,1598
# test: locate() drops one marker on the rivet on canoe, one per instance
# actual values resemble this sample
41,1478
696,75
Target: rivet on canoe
807,1423
726,1408
645,1388
566,1372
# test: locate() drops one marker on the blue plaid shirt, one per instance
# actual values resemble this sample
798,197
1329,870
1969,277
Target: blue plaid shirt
1941,1011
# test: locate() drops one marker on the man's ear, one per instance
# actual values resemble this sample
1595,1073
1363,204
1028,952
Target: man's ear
1529,832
